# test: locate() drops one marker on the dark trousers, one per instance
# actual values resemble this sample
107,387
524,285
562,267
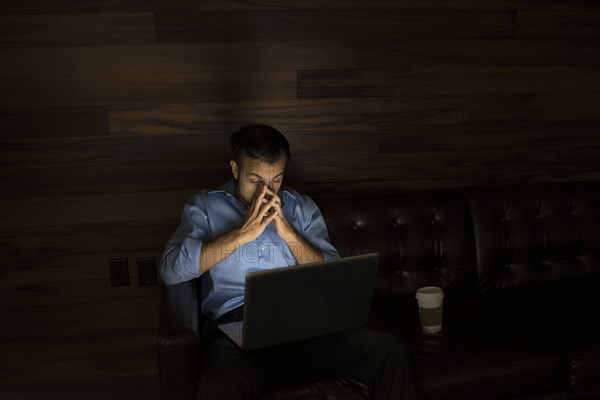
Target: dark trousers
378,359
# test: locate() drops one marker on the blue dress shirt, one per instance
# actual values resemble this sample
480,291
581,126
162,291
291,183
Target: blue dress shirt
211,213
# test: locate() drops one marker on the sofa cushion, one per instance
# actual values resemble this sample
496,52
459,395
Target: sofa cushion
421,238
536,233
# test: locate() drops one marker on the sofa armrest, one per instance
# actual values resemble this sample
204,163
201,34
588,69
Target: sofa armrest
177,342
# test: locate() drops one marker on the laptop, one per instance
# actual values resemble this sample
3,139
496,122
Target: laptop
287,304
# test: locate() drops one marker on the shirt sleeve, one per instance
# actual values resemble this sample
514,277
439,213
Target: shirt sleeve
315,229
181,258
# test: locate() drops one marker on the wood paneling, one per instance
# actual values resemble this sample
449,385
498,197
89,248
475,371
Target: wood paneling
543,24
320,115
58,28
448,81
54,122
62,249
112,114
533,108
320,24
64,6
173,58
206,86
46,359
105,208
477,53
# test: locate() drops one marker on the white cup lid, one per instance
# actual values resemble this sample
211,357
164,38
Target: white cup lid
429,292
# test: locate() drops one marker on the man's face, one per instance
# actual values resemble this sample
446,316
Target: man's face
252,173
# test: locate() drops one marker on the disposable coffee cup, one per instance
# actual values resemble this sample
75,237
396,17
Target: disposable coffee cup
431,305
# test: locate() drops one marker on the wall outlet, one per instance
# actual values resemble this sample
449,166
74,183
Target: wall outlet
146,268
119,271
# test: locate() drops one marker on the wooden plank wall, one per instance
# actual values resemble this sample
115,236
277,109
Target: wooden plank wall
111,116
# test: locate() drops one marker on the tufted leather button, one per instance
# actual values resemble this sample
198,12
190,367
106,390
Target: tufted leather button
433,222
397,272
355,227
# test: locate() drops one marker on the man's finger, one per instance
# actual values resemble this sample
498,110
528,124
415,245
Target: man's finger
257,200
274,195
267,210
266,198
267,220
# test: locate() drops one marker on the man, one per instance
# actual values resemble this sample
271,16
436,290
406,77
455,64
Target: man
252,223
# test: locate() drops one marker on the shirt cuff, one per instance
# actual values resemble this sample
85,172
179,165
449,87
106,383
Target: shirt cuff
330,255
190,263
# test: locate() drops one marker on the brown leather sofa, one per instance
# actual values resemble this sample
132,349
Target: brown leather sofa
520,266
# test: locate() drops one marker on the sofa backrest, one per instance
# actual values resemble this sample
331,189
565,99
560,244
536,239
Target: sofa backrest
534,234
422,238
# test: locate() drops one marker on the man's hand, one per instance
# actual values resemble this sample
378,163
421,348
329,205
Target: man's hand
284,229
265,208
302,250
261,213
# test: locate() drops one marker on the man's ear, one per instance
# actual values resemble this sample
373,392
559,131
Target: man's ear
234,169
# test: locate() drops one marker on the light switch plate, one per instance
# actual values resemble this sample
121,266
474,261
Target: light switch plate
146,268
119,271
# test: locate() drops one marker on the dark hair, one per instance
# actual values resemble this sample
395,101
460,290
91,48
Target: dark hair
259,141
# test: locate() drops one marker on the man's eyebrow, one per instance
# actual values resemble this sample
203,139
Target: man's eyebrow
258,176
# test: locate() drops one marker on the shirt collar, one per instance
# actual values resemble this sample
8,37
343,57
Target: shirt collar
227,188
